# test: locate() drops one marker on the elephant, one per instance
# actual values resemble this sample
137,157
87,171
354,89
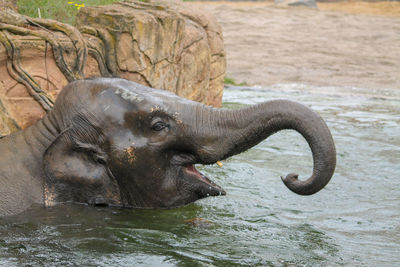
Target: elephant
113,142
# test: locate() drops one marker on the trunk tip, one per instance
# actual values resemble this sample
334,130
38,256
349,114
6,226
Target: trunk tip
299,187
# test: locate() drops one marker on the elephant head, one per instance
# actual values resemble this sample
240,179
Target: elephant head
121,143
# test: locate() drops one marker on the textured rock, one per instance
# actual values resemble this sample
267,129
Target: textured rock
8,4
35,63
163,45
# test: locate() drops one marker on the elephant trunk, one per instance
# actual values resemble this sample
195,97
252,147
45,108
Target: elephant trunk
221,133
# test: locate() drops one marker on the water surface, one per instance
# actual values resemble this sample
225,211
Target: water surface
354,221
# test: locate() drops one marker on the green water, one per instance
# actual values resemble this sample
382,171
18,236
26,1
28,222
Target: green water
354,221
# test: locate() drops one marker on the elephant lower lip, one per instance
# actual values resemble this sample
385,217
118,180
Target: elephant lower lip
190,169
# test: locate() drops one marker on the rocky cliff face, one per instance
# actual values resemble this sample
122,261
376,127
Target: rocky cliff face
163,45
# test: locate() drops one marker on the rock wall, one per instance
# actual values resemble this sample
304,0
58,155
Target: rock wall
164,45
10,4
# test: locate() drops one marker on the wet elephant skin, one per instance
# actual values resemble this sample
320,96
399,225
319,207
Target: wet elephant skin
110,141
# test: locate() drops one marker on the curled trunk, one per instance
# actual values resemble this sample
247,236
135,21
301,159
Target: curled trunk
223,133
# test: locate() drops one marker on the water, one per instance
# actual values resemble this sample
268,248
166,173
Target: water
354,221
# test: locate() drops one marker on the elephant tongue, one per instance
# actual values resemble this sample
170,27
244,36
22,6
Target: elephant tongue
212,188
192,170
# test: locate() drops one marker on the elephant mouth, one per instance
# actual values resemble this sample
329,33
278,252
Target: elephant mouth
206,186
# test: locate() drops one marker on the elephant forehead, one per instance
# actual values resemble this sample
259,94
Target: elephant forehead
113,108
123,139
141,98
129,95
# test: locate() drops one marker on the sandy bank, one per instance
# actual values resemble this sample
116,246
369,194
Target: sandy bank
340,44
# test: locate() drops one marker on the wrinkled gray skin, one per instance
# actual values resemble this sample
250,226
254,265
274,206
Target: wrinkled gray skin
110,141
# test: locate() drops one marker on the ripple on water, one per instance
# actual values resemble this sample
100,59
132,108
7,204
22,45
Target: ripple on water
354,221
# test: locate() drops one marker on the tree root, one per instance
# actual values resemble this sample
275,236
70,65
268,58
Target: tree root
96,50
109,45
20,75
43,29
74,35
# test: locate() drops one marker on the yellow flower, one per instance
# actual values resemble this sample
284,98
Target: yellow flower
78,6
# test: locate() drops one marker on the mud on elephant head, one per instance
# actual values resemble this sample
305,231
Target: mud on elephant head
115,142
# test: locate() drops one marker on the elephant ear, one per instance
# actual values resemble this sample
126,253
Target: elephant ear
76,171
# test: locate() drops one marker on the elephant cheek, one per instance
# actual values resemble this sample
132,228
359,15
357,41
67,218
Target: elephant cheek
124,157
129,155
49,196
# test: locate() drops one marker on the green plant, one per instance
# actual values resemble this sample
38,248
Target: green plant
231,81
61,10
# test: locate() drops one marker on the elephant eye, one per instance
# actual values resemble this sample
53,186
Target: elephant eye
158,126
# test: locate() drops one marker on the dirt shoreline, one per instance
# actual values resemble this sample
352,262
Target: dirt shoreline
267,45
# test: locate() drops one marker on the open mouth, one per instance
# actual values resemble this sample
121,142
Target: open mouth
210,188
